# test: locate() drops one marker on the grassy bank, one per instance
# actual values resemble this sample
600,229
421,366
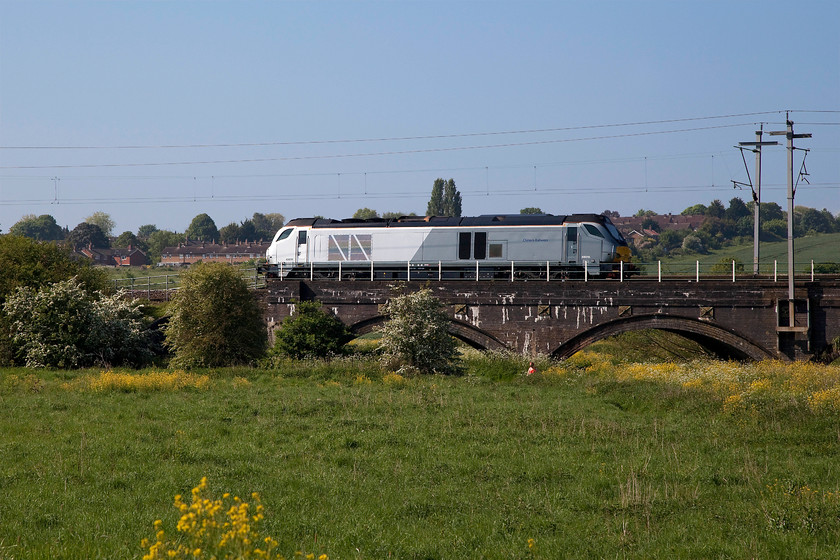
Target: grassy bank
588,459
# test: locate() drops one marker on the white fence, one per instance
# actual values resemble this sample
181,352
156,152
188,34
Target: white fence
163,286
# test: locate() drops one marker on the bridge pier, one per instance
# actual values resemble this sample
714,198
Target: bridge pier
739,320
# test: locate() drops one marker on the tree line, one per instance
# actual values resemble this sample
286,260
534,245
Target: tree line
729,225
60,312
97,231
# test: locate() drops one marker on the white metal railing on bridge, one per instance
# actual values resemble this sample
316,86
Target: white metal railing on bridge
164,285
547,271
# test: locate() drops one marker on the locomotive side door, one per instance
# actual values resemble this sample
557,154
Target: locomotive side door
571,244
300,254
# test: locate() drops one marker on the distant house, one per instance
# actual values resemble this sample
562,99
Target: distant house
127,256
130,256
629,224
190,252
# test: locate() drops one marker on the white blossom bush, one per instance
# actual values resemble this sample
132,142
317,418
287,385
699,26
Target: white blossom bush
64,326
416,335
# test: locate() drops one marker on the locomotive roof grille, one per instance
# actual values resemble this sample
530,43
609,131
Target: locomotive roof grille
445,221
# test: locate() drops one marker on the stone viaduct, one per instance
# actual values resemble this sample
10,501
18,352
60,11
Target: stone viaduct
747,319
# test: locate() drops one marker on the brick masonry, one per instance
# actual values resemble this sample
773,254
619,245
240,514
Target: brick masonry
739,320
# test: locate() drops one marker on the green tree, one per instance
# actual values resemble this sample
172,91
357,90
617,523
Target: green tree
435,206
215,320
744,226
86,234
26,262
774,229
267,224
128,239
716,209
159,240
311,333
770,211
103,220
814,221
416,334
737,210
831,219
230,233
641,213
693,243
42,228
365,214
696,210
531,210
145,231
203,228
451,199
672,238
63,325
248,231
394,215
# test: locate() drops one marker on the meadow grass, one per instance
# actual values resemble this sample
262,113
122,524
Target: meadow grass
587,459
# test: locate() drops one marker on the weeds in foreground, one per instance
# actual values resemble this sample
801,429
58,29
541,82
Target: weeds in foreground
739,387
130,382
789,506
225,528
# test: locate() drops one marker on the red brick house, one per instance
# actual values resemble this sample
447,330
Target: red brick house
190,252
128,256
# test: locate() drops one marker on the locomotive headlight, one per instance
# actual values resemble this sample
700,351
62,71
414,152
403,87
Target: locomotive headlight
623,253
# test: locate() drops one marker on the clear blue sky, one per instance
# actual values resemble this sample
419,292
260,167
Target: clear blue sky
508,98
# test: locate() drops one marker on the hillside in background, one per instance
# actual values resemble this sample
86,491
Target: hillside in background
821,248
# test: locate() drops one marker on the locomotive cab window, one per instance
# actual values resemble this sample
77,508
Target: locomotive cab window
302,237
284,234
593,230
571,233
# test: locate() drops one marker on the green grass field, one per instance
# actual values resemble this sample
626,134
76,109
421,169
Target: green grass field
589,459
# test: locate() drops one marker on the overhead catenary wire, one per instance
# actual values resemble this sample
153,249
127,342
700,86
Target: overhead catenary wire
373,154
510,190
394,138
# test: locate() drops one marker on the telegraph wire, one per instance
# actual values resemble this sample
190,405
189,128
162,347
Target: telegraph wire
374,154
475,190
695,155
392,139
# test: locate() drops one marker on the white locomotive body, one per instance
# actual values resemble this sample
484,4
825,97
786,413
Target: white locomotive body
455,247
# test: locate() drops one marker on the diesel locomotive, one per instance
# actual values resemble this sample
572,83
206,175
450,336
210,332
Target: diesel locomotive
415,247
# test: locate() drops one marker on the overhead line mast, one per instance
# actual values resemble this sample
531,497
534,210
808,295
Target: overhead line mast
791,189
756,192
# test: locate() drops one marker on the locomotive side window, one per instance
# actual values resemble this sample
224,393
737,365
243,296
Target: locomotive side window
571,233
593,230
464,245
302,237
480,249
496,251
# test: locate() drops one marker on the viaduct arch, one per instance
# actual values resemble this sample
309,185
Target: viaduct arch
724,344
